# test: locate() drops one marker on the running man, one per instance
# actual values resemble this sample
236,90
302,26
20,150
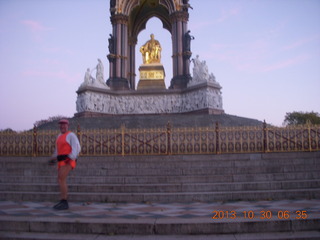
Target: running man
66,153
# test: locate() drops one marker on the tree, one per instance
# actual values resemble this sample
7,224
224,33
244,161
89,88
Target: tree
50,119
7,130
295,118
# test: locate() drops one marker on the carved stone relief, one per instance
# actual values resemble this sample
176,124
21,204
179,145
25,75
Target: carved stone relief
106,102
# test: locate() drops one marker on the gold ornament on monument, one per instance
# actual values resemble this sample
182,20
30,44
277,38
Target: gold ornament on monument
151,71
151,51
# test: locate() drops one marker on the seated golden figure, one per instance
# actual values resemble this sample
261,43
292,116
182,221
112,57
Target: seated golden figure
151,51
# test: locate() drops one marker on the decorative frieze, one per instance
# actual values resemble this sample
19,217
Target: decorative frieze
119,19
206,96
179,17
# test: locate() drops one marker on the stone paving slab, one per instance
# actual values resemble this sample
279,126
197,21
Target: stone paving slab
255,236
162,218
218,211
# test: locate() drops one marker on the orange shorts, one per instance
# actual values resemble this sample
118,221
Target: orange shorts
68,161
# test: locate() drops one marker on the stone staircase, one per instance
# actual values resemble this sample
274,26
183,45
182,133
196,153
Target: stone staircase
163,179
188,178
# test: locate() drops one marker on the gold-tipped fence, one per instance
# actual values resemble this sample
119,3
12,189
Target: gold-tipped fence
168,140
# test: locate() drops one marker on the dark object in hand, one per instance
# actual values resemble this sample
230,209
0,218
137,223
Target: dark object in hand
62,157
52,161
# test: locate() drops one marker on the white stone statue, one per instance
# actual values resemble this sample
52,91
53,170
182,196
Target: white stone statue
95,82
212,78
88,79
100,70
201,72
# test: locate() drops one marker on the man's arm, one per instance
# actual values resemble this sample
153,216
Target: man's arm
75,145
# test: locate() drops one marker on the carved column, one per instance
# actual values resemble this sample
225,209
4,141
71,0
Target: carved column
180,58
132,59
118,59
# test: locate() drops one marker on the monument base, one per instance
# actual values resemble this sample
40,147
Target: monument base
151,76
118,84
180,82
204,97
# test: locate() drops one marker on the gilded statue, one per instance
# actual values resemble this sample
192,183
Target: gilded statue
151,51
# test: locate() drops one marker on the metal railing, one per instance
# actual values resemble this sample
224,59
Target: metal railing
168,140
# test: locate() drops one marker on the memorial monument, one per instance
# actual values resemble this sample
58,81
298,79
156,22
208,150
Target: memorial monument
117,95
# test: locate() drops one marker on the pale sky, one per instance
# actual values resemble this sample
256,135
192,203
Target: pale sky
264,53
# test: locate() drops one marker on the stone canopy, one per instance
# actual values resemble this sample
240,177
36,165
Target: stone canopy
128,19
117,94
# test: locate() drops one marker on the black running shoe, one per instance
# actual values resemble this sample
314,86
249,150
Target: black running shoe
62,205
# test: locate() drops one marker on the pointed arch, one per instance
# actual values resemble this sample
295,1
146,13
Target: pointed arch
129,18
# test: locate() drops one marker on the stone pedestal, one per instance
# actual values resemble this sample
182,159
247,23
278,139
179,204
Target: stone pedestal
151,76
203,97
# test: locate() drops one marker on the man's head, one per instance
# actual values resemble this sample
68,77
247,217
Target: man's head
63,125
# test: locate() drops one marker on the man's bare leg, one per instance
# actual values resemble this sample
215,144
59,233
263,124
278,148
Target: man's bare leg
62,179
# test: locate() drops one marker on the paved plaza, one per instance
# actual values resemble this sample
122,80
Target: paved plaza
229,211
164,213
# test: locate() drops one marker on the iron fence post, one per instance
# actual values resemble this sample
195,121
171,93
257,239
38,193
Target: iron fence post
265,136
122,138
35,147
217,138
309,134
79,135
168,138
78,132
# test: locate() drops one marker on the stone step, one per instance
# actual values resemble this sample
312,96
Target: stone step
297,235
145,171
164,179
224,160
108,226
158,178
162,188
312,193
75,178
